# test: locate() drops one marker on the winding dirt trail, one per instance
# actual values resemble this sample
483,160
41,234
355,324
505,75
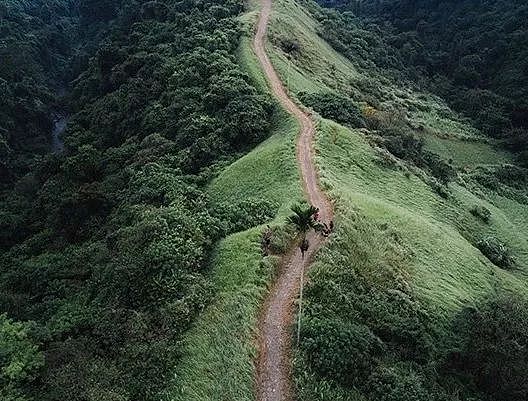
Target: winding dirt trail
274,363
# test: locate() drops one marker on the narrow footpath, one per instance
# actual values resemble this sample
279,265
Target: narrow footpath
274,362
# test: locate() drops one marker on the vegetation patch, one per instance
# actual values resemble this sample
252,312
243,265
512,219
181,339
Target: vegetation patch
334,107
496,252
106,247
481,212
493,352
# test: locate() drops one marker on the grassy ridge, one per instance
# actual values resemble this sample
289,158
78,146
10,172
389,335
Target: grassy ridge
347,163
217,363
392,229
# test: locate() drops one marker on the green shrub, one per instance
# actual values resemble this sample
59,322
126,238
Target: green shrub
496,252
391,384
481,212
290,46
494,354
245,214
335,107
438,167
398,139
340,350
20,359
513,176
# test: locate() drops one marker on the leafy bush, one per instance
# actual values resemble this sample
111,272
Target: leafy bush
513,176
392,384
441,170
335,107
403,144
481,212
20,359
496,252
343,351
243,215
290,46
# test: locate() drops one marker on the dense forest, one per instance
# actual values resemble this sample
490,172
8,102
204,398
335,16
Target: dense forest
104,245
472,53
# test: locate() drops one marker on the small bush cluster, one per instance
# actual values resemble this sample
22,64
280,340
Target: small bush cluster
290,46
481,212
335,107
393,384
341,350
494,353
398,139
496,252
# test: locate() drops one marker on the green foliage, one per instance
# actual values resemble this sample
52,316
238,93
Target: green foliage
20,359
494,353
342,351
245,214
496,252
482,72
507,180
106,246
290,46
392,384
41,43
481,212
360,314
335,107
403,261
398,139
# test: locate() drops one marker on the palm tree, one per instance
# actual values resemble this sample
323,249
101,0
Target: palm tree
303,219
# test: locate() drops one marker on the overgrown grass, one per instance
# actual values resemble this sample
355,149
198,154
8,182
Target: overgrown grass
327,69
446,269
430,223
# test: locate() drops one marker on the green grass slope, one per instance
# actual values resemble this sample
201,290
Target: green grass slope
446,270
217,363
354,178
395,234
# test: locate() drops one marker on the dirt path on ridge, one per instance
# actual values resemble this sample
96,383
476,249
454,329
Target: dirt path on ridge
274,363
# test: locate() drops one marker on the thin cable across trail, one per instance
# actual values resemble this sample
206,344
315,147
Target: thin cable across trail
274,361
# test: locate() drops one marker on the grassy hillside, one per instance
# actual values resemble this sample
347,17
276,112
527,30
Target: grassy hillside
404,261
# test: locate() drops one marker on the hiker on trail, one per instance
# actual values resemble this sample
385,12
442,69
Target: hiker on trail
326,229
316,214
304,247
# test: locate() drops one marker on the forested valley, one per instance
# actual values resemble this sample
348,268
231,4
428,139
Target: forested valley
104,244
